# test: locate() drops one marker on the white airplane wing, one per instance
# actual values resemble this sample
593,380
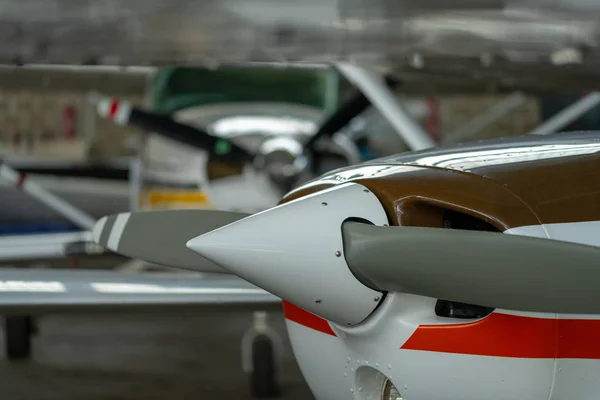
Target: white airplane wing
414,35
54,290
45,246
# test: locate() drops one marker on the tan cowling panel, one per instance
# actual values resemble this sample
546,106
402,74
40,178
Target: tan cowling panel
557,191
418,196
508,182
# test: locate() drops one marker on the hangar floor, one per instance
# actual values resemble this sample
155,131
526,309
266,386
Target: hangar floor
186,354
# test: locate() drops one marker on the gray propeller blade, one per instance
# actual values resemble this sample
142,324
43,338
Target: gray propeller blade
160,237
482,268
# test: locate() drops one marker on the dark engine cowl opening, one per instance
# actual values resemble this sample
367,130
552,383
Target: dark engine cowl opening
453,309
457,220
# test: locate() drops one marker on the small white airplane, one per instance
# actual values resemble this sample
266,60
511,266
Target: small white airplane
472,267
476,261
258,151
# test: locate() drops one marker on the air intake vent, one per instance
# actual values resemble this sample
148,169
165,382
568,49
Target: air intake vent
457,220
453,309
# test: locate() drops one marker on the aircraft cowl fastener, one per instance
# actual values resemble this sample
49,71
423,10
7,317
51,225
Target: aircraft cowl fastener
287,250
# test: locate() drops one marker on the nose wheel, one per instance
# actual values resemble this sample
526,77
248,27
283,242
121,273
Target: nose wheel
263,380
261,352
18,330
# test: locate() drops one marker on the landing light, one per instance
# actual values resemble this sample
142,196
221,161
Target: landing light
390,392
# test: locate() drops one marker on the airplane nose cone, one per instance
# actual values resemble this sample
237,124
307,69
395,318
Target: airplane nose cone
234,246
295,251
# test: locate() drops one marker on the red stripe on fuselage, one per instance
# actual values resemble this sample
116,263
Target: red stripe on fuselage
303,317
498,335
504,335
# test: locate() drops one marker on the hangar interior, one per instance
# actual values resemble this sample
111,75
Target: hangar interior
160,123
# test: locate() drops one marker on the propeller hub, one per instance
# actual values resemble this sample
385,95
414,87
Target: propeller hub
281,157
295,251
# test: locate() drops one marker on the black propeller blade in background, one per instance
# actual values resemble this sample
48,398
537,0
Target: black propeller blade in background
353,107
343,115
166,126
224,149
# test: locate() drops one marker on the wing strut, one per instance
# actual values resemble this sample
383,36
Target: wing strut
73,214
568,115
384,100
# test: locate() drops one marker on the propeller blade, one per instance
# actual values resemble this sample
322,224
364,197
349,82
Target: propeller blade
343,115
160,237
340,118
483,268
124,113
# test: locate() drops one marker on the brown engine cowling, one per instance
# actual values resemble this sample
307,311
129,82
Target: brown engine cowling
421,196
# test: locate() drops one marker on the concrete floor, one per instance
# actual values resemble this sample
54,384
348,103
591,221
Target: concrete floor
167,354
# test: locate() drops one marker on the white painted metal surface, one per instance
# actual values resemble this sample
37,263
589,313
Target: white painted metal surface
56,289
587,232
353,349
295,252
117,231
377,344
319,357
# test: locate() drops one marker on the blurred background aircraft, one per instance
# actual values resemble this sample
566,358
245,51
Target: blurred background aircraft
466,70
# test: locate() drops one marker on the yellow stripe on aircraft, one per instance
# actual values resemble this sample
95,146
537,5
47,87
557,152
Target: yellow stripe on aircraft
174,197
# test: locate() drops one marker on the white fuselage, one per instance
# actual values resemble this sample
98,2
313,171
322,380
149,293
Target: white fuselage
532,356
506,355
